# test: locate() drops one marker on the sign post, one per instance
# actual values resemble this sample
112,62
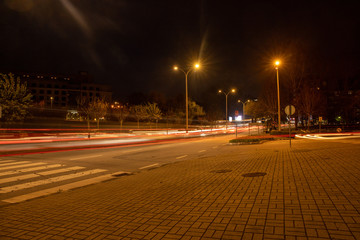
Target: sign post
289,110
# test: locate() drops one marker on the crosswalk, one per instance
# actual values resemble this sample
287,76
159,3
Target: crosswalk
25,180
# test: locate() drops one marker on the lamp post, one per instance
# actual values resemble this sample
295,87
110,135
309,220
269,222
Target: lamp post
226,96
277,63
51,102
243,103
186,72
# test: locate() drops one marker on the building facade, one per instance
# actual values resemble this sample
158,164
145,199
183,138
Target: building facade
64,91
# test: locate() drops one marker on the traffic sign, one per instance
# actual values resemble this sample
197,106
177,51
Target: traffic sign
289,110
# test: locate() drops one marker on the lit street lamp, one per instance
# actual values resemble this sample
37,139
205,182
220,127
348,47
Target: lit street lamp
51,102
226,95
243,103
277,63
186,72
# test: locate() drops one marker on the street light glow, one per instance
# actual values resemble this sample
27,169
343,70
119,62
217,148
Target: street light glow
186,72
220,91
277,63
233,90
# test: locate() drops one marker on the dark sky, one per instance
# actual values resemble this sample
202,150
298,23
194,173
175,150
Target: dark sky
133,44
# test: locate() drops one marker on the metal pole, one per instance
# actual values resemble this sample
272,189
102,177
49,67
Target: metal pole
235,130
278,96
289,127
243,110
186,102
226,115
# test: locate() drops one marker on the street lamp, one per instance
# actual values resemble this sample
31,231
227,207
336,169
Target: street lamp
186,72
277,63
51,102
226,95
243,103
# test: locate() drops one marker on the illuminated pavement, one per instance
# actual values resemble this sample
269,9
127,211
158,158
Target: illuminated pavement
266,191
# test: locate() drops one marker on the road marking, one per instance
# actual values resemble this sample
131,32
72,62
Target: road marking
49,180
13,163
149,166
65,187
29,169
24,165
202,151
6,161
183,156
34,175
60,170
92,156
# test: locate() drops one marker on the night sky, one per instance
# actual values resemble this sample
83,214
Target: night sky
132,45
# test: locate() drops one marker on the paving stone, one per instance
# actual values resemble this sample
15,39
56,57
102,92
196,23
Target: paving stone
305,195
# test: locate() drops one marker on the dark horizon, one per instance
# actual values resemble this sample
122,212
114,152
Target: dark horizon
132,46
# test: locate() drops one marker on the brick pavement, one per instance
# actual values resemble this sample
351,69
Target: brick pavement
309,192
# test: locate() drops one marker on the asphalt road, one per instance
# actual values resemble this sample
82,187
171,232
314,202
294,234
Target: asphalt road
132,158
24,175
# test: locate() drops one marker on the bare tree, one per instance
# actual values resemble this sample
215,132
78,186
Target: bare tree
121,112
153,113
310,101
139,112
85,111
92,109
99,108
268,103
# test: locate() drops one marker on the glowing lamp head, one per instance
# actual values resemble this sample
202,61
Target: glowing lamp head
220,91
176,68
197,65
277,63
233,90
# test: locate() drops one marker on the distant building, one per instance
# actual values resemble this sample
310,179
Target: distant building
63,91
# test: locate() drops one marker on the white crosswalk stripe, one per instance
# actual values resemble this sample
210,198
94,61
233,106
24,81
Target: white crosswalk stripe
12,163
24,165
18,176
6,161
12,172
34,175
49,180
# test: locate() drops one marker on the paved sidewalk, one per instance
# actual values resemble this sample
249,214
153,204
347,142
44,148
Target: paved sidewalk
311,191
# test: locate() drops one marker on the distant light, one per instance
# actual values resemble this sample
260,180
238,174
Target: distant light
277,63
197,65
233,90
230,119
220,91
175,68
238,118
